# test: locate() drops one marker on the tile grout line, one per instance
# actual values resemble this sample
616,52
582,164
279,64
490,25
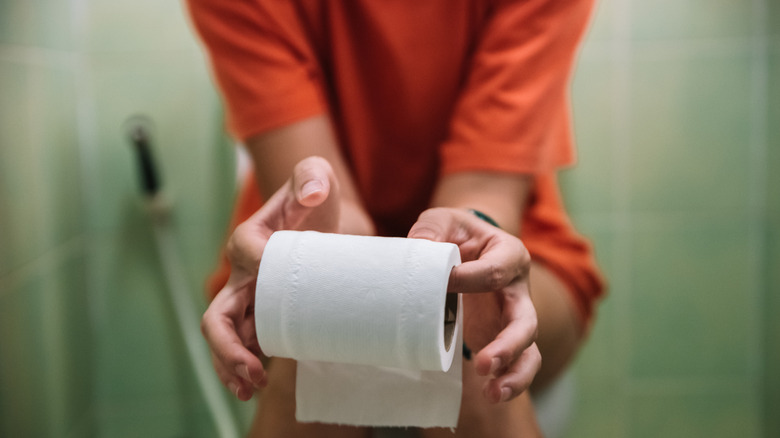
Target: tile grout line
621,137
757,201
86,133
696,44
52,336
52,256
682,46
47,57
696,386
37,56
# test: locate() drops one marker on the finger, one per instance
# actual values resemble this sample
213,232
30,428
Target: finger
503,260
233,361
460,227
244,250
518,334
228,380
239,386
248,381
312,187
241,375
500,257
312,183
454,226
506,348
434,224
236,385
309,200
517,378
312,180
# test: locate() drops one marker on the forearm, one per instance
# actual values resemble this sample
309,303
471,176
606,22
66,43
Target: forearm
501,196
275,153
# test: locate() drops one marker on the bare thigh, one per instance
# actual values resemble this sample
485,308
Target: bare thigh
559,338
480,418
560,326
275,417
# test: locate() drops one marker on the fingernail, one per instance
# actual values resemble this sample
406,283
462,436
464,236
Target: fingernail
495,364
243,371
233,388
310,187
505,394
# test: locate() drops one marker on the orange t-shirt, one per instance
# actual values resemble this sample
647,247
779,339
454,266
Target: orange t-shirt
416,89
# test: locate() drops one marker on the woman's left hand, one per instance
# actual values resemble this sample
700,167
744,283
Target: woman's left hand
499,317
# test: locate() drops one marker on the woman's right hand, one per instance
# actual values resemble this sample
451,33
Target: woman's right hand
309,200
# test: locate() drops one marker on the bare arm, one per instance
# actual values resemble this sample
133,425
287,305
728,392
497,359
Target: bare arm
276,152
502,197
499,195
302,191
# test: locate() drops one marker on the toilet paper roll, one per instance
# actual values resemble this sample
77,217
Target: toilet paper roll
369,319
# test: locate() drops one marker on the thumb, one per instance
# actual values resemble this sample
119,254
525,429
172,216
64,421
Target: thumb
308,200
312,181
305,202
434,224
316,191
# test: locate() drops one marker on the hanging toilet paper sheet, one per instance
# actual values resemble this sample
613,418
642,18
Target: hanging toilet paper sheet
377,338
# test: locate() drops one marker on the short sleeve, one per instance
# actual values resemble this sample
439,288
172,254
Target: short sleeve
261,61
513,112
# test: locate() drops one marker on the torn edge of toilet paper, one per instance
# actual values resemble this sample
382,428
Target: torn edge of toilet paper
365,395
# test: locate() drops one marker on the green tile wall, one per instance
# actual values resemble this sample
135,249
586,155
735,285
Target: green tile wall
601,28
677,186
690,127
772,17
19,169
45,200
688,302
695,415
594,105
87,343
45,340
771,383
142,25
676,20
171,89
772,272
38,23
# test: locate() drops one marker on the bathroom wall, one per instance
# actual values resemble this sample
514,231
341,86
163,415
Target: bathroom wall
772,237
676,109
87,346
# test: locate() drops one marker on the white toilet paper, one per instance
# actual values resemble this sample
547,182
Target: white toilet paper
377,337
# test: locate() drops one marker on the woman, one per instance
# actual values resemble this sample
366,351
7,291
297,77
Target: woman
400,118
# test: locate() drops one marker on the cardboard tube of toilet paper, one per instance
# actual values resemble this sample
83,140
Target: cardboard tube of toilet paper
369,320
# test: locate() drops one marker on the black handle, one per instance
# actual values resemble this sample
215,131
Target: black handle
141,140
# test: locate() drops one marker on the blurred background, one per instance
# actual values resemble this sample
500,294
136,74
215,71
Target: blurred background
677,116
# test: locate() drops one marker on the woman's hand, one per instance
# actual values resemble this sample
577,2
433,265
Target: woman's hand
309,200
499,317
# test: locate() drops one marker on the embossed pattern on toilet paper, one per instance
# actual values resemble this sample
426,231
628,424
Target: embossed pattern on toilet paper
364,317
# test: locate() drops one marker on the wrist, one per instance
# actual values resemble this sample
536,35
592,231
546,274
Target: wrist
355,220
483,217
